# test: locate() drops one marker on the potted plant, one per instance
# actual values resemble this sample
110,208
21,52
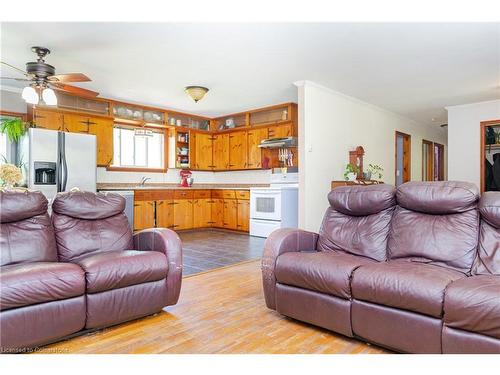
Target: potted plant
374,170
15,128
10,175
350,172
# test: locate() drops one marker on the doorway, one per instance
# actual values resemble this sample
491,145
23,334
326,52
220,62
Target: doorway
403,158
432,161
490,156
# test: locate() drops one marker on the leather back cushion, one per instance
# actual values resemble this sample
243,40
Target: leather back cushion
488,255
98,225
26,233
359,235
437,223
362,200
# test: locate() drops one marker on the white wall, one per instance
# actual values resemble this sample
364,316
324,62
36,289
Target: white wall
172,176
11,100
464,138
330,125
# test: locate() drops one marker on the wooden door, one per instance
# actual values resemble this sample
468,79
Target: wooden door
218,213
203,151
238,150
255,136
438,165
103,130
243,215
427,160
280,131
183,214
165,213
144,214
77,123
202,213
48,119
221,152
230,214
403,158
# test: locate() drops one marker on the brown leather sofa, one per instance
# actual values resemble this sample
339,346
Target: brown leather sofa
400,268
82,271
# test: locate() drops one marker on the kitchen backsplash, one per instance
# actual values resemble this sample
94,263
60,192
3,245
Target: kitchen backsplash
172,176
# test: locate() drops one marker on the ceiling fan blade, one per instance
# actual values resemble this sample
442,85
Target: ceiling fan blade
70,77
16,79
73,89
13,67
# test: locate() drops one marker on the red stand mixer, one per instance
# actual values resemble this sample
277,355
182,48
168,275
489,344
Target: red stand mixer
185,175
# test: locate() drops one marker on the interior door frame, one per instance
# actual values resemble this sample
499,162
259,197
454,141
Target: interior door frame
407,141
430,160
441,165
482,146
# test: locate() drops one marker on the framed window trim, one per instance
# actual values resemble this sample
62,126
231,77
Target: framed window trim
144,169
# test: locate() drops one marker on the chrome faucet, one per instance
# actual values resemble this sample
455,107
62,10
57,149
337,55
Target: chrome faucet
143,180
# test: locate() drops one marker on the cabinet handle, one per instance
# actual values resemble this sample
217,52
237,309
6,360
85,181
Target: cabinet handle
159,203
109,161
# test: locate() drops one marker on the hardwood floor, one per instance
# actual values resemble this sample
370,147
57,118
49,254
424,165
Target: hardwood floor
208,249
221,311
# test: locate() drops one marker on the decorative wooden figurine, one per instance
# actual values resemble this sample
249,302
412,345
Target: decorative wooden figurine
356,158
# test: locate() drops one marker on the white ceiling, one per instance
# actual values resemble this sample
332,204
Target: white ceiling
412,69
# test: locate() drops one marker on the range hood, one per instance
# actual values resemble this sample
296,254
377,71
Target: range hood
279,142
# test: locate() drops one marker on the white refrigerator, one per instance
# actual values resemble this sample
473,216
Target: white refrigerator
58,161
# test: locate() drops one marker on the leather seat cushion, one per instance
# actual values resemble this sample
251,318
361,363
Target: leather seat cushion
412,286
117,269
473,304
31,283
323,271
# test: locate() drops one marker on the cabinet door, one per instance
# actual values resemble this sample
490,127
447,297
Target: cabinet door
165,213
221,152
144,214
230,214
103,130
203,151
255,136
238,150
280,131
183,214
202,213
48,119
244,215
76,123
218,213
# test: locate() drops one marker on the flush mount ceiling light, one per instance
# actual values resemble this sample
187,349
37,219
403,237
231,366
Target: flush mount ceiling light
196,92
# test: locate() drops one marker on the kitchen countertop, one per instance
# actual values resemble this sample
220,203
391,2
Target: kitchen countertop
160,186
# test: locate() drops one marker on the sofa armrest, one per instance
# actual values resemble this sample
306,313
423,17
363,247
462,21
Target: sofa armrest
167,242
279,242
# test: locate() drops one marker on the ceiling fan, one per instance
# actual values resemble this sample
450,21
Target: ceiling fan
41,77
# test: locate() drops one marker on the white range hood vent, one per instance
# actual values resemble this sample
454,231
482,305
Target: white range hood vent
279,142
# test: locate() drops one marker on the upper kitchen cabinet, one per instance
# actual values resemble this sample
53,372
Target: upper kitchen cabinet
231,122
255,136
272,115
138,115
179,146
188,121
79,104
203,151
220,152
238,150
46,119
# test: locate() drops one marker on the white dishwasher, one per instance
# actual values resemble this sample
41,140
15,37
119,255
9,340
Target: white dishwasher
129,203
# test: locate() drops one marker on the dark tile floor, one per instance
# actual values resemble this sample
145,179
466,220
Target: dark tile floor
207,249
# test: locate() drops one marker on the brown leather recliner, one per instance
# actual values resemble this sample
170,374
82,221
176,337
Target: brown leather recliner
414,301
127,276
41,299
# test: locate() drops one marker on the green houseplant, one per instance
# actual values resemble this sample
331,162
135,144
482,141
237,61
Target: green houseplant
14,128
350,172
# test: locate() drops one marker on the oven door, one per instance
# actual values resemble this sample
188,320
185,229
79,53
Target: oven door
265,204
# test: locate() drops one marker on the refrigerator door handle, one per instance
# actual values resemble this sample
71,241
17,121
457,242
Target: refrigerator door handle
59,164
65,165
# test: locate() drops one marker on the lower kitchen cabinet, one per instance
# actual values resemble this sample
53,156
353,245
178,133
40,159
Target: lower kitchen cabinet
230,214
218,213
243,222
202,213
183,214
144,214
165,213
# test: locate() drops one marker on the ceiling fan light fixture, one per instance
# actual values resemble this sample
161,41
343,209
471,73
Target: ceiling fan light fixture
196,92
30,95
49,96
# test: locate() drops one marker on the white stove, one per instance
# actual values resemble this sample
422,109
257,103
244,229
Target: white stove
275,206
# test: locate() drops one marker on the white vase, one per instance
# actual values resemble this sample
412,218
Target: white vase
351,176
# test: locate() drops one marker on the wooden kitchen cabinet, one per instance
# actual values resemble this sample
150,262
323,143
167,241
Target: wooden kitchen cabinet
203,151
243,221
144,214
280,131
230,214
164,213
202,216
218,213
238,150
255,136
220,151
103,130
48,119
183,214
